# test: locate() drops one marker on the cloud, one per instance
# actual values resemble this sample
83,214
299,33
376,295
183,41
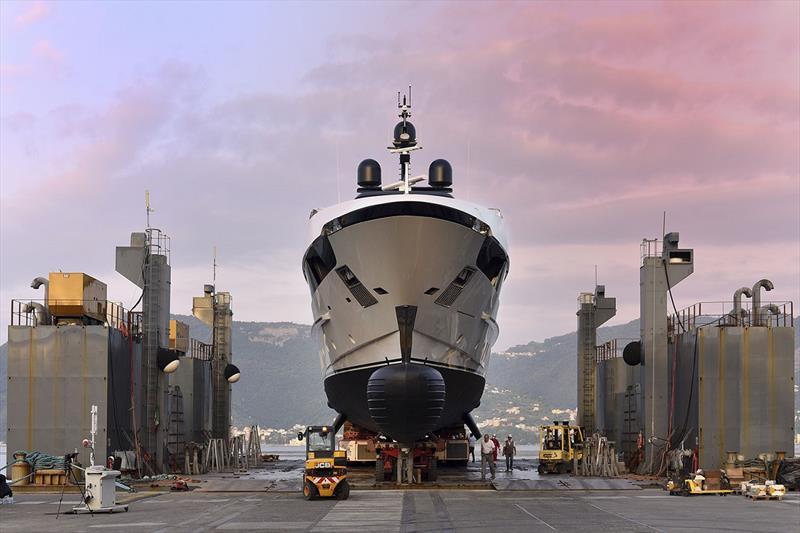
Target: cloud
20,121
35,12
582,122
44,51
13,70
45,62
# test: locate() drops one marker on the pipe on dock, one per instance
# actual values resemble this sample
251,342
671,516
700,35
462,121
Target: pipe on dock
756,294
738,313
40,314
765,310
42,282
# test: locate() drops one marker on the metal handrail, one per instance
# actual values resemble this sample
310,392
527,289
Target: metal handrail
611,349
720,313
116,316
200,350
650,248
158,243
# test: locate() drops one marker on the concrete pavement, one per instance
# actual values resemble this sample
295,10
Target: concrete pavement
415,510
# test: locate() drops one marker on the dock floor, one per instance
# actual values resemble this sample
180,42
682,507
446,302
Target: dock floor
644,510
268,499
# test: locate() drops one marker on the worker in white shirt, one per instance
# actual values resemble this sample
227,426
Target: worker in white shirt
487,456
471,440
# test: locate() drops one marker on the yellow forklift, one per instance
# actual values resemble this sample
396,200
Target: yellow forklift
325,472
558,446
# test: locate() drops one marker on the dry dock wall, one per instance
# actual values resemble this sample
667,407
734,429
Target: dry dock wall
619,402
734,391
730,388
193,376
55,375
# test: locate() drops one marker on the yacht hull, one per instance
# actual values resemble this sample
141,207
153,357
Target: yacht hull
406,288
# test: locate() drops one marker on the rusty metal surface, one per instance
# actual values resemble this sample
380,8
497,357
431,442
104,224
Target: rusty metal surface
743,391
767,391
55,375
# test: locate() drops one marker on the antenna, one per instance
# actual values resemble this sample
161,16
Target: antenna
147,205
595,277
405,101
214,276
404,104
405,139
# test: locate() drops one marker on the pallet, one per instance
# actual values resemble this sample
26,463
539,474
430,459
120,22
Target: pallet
763,497
49,477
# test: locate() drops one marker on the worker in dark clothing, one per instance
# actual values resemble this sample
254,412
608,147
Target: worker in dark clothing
5,490
509,451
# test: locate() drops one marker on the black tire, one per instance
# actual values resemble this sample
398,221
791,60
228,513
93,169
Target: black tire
310,491
541,469
380,475
562,468
433,470
343,490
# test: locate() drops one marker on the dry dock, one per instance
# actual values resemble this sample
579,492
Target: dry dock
645,510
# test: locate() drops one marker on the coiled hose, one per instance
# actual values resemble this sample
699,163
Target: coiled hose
42,461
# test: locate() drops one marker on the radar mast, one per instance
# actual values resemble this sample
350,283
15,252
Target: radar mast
405,139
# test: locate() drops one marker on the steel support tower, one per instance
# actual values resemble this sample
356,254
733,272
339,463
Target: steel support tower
214,309
594,310
661,270
146,263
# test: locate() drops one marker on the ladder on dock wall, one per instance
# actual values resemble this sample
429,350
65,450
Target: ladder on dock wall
589,356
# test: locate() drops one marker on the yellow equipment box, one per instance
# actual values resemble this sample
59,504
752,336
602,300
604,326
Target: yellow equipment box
75,294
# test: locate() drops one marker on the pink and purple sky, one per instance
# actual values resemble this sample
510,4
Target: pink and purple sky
582,121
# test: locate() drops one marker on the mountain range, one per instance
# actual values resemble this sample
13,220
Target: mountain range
281,384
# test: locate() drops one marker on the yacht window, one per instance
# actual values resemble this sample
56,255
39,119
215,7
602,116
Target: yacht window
319,261
491,260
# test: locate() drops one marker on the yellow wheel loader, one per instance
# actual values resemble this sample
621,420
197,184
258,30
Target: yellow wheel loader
325,472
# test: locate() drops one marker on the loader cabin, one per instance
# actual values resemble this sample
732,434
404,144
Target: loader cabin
319,441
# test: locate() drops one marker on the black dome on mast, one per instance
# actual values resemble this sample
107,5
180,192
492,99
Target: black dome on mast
405,135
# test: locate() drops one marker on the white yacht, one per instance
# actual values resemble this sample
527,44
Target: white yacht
405,282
